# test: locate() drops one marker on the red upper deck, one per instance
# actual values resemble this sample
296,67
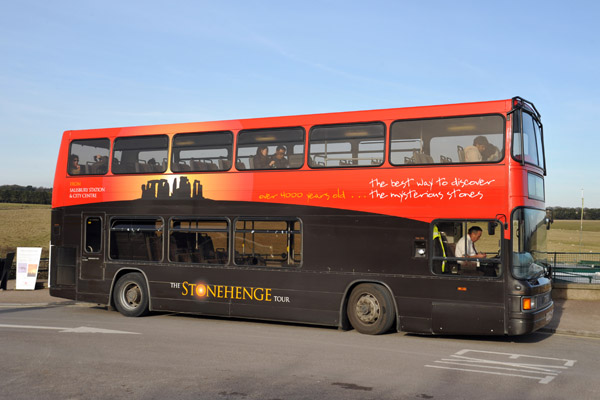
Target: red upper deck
423,182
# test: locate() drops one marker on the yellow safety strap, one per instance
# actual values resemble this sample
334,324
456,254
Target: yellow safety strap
437,235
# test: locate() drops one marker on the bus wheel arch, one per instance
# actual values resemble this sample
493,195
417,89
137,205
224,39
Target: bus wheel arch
368,307
130,294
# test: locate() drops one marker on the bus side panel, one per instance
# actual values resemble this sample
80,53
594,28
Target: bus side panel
64,261
467,318
414,314
93,291
282,295
421,304
289,314
214,308
312,297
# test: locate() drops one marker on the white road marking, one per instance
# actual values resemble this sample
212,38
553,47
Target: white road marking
542,369
81,329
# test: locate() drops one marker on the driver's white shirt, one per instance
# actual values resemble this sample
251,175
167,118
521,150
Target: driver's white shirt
459,251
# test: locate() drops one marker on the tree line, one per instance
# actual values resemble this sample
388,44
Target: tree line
575,213
25,194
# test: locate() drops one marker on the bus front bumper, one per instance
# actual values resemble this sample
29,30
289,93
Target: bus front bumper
522,323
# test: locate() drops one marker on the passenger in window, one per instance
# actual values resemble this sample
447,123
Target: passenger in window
472,154
465,247
74,167
101,164
261,159
279,160
488,151
154,166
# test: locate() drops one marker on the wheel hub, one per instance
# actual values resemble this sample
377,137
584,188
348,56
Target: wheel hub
367,309
133,295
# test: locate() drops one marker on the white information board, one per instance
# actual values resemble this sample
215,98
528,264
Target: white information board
28,262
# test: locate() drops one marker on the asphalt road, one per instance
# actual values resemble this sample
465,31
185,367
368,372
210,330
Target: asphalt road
85,352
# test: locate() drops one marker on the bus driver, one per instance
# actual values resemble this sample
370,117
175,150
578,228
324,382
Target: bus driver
465,247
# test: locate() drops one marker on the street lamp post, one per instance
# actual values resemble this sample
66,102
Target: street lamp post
581,226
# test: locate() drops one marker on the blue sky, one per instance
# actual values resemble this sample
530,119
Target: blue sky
92,64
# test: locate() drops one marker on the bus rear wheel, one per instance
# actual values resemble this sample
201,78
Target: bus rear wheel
131,295
370,309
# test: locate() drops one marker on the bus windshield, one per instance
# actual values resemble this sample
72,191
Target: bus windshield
529,243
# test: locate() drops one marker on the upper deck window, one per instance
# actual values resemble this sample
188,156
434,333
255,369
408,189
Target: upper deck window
529,144
88,157
202,151
448,140
350,145
270,148
140,154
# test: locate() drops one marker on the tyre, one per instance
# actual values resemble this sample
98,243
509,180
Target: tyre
131,295
370,309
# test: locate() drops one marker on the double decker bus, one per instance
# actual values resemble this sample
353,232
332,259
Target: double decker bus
423,219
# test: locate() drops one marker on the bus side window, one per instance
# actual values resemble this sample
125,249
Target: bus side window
199,241
202,151
439,140
469,248
88,157
93,235
270,149
136,239
270,243
347,145
140,154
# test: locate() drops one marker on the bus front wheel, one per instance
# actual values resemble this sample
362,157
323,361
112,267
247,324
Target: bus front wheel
131,295
370,309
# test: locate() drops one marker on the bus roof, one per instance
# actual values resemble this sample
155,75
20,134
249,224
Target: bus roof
430,111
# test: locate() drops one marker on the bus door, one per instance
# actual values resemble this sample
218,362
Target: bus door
92,248
468,296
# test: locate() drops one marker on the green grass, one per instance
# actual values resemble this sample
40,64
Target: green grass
575,225
28,225
24,225
565,236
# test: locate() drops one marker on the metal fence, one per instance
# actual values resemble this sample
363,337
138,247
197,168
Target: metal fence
575,267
